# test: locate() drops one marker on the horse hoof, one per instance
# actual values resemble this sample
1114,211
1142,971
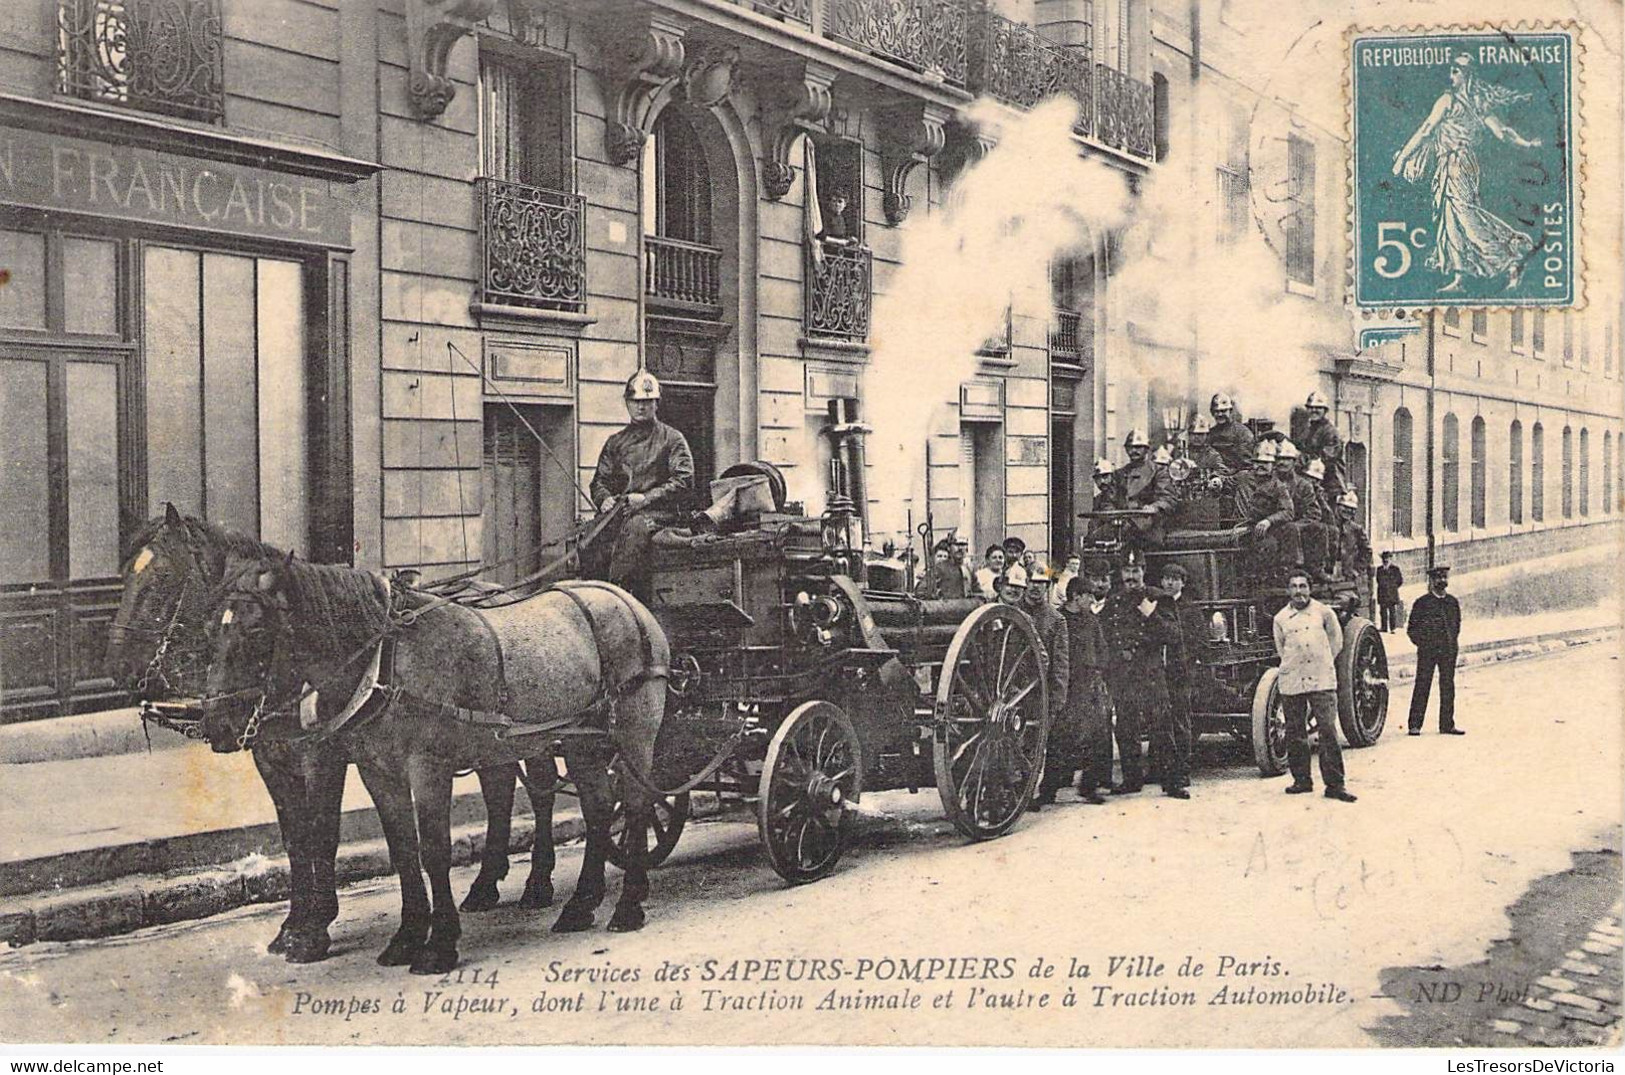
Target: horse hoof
279,943
482,897
573,921
307,948
537,896
433,960
400,952
627,919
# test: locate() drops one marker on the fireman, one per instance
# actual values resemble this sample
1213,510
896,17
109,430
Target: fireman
1144,484
1322,441
1229,438
1265,509
1309,515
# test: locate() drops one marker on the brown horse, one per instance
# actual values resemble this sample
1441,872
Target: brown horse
158,650
583,664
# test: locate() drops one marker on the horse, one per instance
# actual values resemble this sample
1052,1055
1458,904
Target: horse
157,649
584,664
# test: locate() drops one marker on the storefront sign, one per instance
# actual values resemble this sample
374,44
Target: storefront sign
60,172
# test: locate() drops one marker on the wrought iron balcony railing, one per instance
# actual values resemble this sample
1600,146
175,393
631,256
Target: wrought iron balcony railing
533,246
683,275
1072,337
1123,112
1017,65
926,35
159,56
788,10
840,290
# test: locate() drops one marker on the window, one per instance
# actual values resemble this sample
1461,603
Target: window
1452,321
1299,224
1518,345
1568,338
159,56
1537,333
1568,473
1234,193
1481,326
524,117
1537,473
1450,474
677,182
1585,472
1159,115
1402,473
1072,290
1515,473
1607,472
1479,472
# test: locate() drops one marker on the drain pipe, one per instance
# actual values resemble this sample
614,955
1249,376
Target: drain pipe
1433,383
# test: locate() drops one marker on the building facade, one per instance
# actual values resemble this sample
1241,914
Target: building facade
365,279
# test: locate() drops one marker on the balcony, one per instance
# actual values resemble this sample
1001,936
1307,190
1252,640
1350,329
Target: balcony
797,11
1072,337
161,56
683,277
1123,110
533,249
928,36
839,292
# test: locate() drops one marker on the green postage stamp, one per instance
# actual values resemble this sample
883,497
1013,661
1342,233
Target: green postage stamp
1465,159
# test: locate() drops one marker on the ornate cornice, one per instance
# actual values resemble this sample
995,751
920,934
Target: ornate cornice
650,60
792,106
432,28
909,136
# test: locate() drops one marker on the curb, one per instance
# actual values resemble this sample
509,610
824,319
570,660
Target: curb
139,901
1403,669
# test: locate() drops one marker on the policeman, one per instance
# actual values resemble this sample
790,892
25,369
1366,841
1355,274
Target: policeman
1138,629
1060,756
1309,516
1434,625
1322,441
1143,484
1230,439
1265,508
1088,715
641,472
1354,547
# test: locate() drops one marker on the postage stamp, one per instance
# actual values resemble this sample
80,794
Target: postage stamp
1464,167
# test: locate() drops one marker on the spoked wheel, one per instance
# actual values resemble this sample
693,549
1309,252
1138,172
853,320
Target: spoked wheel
1269,725
813,769
1362,683
992,714
666,826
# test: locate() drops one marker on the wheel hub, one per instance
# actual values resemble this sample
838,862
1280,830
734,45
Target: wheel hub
824,793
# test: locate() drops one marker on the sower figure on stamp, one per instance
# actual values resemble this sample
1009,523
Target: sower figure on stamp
1435,627
1137,629
1308,639
1088,714
1389,579
1060,757
641,470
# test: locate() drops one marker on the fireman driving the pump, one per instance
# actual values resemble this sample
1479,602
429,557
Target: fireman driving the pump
642,471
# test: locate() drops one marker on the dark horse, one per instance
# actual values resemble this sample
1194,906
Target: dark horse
583,664
158,649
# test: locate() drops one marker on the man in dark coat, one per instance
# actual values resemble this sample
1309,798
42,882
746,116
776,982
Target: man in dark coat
1309,517
1389,579
1229,438
1088,715
1353,547
1322,441
1144,484
1435,626
642,470
1138,628
1181,669
948,577
1060,756
1266,511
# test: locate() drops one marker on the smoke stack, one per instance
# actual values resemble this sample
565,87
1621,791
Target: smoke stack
848,493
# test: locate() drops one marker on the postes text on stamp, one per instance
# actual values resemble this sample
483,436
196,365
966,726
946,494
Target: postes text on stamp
1464,176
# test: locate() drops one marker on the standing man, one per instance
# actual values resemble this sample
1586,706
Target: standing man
1389,580
1308,639
641,471
1230,439
1088,704
1435,627
1144,484
1181,665
987,579
1137,630
1057,591
1060,755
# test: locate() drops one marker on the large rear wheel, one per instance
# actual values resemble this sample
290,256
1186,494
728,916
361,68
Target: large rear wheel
813,769
1362,683
1269,725
992,714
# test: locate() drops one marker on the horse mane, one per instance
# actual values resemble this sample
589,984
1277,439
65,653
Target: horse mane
344,608
211,536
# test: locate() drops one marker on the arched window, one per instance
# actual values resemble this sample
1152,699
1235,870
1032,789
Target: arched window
1607,472
677,181
1568,473
1515,473
1402,473
1477,478
1537,473
1450,474
1585,472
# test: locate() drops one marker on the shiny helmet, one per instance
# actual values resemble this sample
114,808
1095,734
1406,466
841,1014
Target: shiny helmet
1221,404
1015,575
1316,469
1317,398
1162,455
642,385
1264,452
1201,424
1136,438
1286,450
1350,499
1104,468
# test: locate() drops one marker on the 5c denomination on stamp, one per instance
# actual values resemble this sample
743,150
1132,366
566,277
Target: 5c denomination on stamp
1464,167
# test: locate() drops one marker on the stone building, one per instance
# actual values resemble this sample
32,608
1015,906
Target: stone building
365,279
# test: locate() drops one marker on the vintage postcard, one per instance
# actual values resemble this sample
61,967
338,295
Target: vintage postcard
1017,523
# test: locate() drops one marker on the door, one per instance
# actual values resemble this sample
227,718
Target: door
527,489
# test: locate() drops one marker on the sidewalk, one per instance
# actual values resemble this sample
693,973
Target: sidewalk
95,846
